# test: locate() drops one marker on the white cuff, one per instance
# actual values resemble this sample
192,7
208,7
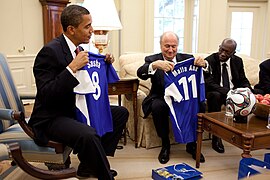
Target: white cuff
206,68
150,69
71,72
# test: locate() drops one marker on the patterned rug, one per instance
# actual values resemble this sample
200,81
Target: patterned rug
4,165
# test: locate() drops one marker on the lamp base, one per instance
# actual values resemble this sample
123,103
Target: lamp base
101,39
240,119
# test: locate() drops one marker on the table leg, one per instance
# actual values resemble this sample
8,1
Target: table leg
248,140
125,129
134,98
199,140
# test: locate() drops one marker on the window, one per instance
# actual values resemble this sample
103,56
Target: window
247,25
195,26
170,15
241,31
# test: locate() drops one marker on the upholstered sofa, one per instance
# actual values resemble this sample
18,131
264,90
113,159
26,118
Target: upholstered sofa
146,133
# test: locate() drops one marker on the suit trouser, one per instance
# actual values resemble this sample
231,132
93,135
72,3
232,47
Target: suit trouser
160,114
215,101
91,149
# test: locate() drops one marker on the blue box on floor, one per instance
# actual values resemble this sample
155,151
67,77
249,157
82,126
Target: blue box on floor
176,172
252,166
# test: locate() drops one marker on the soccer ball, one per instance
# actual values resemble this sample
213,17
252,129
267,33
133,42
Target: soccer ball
241,101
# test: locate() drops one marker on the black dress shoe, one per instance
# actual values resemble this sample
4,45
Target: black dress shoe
85,171
217,145
192,151
164,155
114,172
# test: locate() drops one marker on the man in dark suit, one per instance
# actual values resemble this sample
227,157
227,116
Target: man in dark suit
154,68
53,115
263,87
216,91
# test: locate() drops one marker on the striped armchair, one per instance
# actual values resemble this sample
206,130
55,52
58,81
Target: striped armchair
14,129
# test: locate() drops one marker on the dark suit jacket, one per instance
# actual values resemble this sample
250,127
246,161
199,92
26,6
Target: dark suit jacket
55,85
212,79
264,77
157,80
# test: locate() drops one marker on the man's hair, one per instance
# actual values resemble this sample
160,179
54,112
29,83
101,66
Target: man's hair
72,15
168,32
230,41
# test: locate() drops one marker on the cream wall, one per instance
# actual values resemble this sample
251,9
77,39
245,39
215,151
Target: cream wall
212,24
267,39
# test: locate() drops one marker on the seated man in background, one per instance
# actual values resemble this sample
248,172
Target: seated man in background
154,68
263,87
226,71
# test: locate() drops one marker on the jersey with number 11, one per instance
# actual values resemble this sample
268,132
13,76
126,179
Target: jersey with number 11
184,90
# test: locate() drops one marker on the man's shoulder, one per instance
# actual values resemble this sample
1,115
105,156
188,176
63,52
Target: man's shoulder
212,56
155,56
237,57
265,62
55,42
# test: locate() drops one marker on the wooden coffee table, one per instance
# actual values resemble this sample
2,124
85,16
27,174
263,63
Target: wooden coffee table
249,136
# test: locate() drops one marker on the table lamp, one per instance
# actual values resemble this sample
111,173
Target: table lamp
104,19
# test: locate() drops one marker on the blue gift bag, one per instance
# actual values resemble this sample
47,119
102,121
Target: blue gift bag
251,166
176,172
267,158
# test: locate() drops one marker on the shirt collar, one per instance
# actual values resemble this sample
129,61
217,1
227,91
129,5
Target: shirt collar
227,62
173,60
71,46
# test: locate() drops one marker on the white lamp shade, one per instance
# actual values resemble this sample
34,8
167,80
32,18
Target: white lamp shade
104,14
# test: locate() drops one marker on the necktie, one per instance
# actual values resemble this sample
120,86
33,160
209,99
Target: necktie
225,77
77,50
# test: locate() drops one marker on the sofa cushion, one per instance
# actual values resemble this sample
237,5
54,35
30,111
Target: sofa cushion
129,63
251,69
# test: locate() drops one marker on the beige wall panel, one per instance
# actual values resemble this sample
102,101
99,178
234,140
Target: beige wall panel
212,25
133,21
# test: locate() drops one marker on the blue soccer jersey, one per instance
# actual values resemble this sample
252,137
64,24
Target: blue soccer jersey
184,90
92,100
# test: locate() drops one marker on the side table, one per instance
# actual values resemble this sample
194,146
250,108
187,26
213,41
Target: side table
127,86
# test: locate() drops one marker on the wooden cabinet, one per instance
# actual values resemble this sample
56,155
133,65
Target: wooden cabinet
52,10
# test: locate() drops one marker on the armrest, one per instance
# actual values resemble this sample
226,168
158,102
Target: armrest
9,114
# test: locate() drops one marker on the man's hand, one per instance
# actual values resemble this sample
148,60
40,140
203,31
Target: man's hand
109,58
79,61
199,61
163,65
